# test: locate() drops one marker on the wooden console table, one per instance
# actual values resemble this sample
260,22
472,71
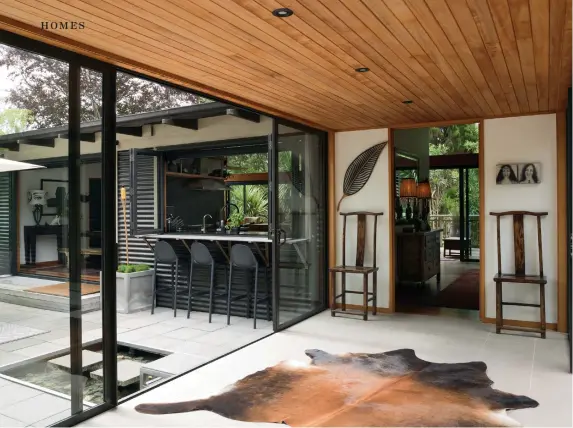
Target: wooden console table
418,256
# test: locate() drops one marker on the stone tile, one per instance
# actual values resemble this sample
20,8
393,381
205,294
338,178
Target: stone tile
137,322
90,361
175,363
4,382
7,358
42,349
51,419
53,335
15,393
37,408
160,343
127,372
7,422
19,344
185,333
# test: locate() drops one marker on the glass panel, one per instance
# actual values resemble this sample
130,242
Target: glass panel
299,222
34,207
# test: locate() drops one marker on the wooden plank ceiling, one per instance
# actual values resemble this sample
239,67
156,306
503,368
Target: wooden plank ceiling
454,59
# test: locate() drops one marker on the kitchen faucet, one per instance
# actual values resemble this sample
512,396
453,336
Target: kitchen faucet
225,215
204,229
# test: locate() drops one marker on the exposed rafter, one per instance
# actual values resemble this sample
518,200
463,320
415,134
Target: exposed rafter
13,147
182,123
135,131
244,114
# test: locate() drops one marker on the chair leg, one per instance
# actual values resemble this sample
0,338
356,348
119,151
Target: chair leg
190,283
332,293
256,299
343,291
365,296
374,292
229,295
249,295
175,288
498,307
542,309
211,289
268,294
154,293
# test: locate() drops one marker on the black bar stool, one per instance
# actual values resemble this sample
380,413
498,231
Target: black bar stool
165,253
243,258
201,256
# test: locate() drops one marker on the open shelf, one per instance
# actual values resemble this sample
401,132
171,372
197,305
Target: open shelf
186,175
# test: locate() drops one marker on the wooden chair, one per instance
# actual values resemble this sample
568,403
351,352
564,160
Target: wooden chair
358,268
519,276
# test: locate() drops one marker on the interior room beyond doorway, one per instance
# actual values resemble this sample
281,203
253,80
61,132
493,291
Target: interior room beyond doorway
437,211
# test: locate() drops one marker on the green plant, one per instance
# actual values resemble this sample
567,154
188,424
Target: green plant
235,220
132,268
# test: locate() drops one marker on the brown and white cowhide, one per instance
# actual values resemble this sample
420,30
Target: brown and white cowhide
393,388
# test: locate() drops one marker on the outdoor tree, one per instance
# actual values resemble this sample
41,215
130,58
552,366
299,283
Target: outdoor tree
40,86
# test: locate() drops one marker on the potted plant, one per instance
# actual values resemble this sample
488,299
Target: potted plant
134,288
234,222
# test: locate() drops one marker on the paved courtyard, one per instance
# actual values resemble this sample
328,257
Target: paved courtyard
195,340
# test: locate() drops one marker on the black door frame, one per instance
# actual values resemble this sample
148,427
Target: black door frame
275,229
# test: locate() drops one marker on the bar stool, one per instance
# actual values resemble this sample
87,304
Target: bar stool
201,256
165,253
243,258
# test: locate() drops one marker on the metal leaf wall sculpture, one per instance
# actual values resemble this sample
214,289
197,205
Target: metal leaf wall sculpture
360,170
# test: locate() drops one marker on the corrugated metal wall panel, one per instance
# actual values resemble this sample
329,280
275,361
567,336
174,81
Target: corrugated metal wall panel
7,246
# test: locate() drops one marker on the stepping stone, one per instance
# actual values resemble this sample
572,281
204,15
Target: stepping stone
90,361
127,372
169,366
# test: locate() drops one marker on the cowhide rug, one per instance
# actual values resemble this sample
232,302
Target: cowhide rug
393,388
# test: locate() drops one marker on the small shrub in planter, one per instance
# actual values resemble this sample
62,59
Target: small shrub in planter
134,286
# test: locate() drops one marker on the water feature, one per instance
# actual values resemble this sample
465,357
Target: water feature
46,375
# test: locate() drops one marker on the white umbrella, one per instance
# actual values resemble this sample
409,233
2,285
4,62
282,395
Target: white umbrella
7,165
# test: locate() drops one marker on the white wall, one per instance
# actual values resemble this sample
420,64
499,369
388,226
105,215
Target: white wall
416,142
513,140
373,197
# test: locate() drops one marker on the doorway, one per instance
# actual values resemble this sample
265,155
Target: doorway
437,242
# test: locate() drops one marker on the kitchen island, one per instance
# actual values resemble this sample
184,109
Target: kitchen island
292,257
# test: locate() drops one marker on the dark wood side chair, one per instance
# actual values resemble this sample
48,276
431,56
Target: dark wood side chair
358,268
519,276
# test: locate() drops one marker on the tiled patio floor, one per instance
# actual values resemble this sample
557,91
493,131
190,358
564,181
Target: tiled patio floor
161,333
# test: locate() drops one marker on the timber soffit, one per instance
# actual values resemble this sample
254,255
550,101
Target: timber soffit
454,59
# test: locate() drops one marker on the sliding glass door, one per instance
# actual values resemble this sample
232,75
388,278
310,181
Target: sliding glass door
298,183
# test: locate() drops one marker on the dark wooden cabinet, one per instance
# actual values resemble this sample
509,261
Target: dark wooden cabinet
418,256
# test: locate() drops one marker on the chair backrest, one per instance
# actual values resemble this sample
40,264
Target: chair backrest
242,256
519,239
200,254
360,235
164,252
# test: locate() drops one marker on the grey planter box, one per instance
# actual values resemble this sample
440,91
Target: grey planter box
134,291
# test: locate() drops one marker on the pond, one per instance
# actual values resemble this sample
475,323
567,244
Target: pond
48,376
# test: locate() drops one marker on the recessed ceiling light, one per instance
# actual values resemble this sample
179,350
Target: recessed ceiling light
407,102
283,12
362,69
